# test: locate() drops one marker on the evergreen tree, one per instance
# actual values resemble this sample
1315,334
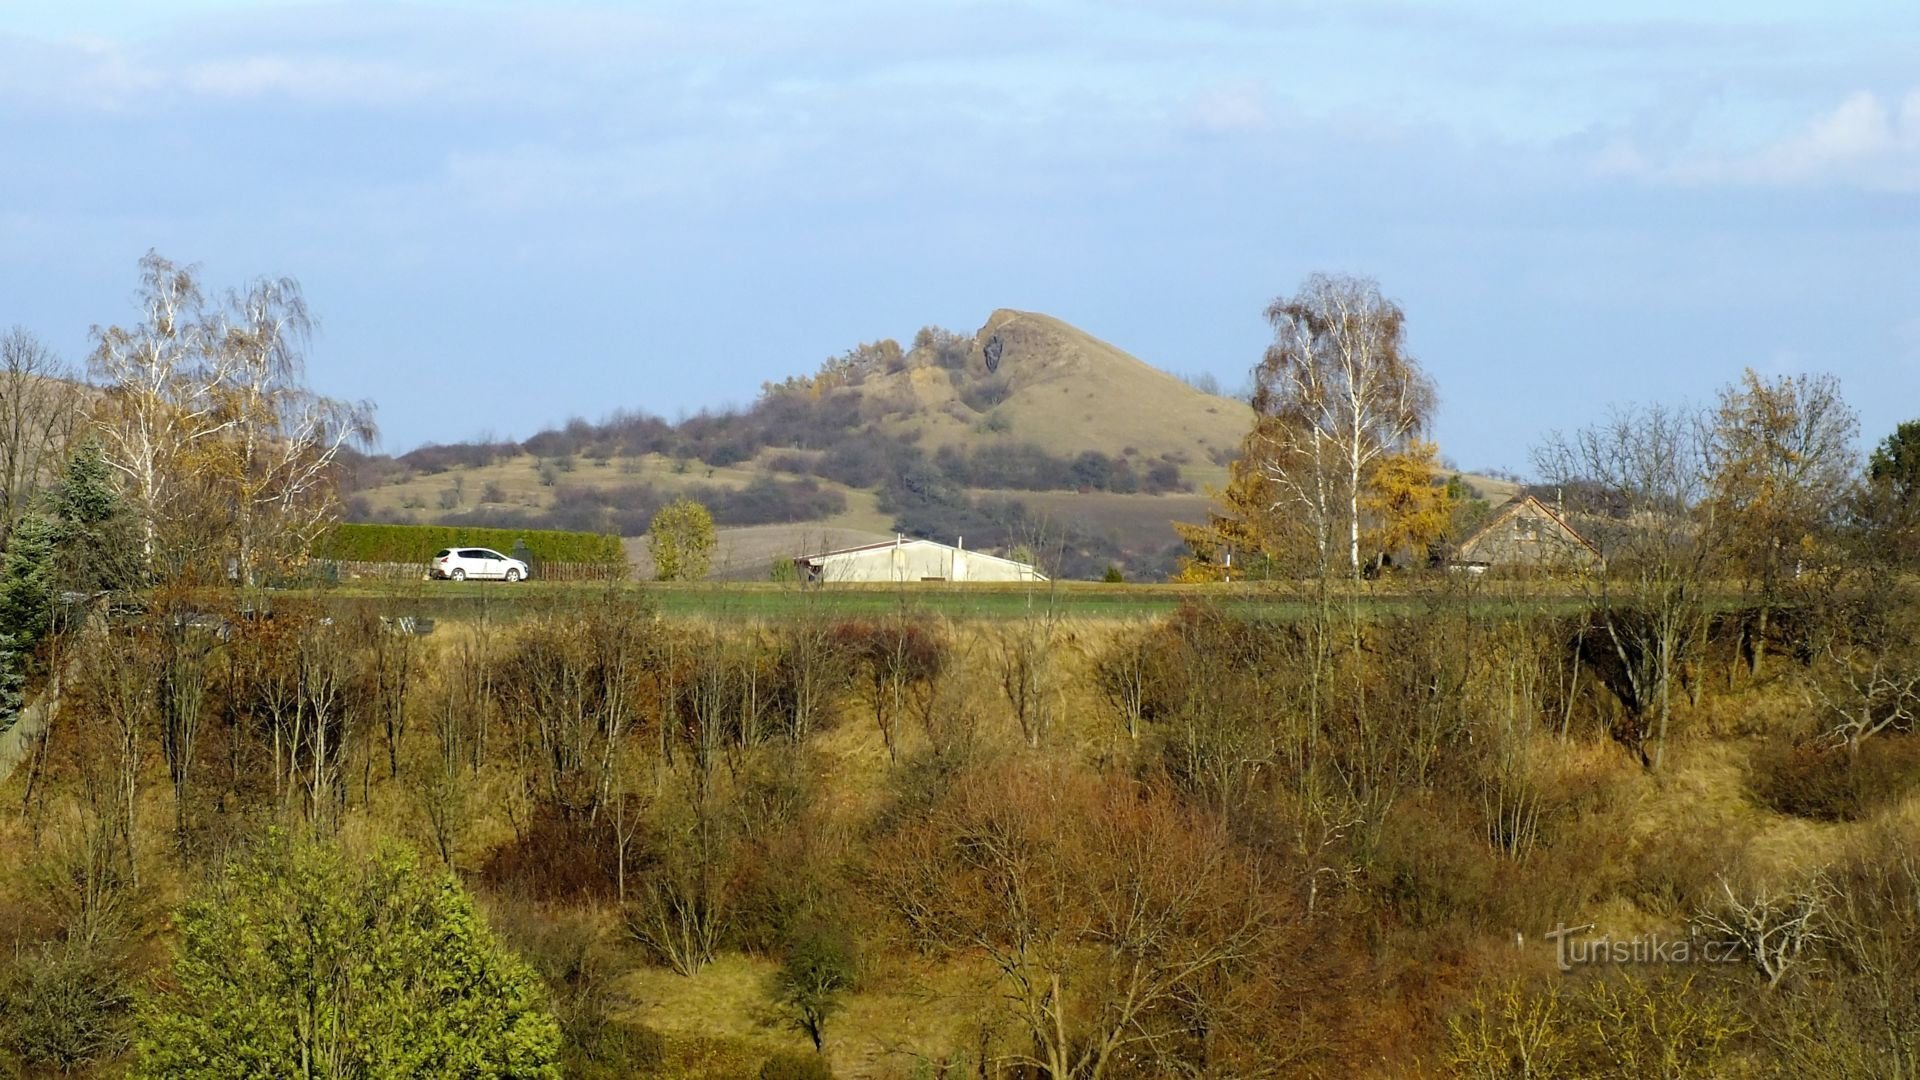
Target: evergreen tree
13,681
28,582
97,539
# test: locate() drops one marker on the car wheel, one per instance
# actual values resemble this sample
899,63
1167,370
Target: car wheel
513,573
457,575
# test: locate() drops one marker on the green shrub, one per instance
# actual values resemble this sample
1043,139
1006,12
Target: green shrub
416,543
64,1006
818,971
298,954
788,1065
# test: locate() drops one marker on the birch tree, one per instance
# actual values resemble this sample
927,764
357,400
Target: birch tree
1343,393
285,437
206,418
160,388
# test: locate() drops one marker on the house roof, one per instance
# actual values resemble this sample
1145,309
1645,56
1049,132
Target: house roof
877,545
907,541
1514,506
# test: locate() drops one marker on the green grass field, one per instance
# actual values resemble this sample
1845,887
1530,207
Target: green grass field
1084,600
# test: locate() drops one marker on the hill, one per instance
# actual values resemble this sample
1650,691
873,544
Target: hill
951,432
1027,429
1059,388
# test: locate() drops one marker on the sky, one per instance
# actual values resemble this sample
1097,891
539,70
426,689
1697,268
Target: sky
509,214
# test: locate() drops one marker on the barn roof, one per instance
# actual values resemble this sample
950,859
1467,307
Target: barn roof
907,541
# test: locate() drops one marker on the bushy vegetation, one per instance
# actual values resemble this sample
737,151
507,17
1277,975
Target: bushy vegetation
1142,847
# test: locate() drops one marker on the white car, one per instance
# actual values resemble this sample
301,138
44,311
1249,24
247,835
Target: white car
459,564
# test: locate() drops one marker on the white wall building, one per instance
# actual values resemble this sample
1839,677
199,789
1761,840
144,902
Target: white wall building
901,559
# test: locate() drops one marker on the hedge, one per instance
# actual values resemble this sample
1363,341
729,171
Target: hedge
417,543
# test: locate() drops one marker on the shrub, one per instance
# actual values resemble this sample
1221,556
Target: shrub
64,1006
566,952
1667,1026
1430,869
402,975
554,858
1823,782
788,1065
818,970
982,396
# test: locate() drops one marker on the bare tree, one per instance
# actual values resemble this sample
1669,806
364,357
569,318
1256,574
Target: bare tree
204,411
571,687
159,390
1871,682
1124,674
39,402
285,438
1637,483
1105,913
1336,392
183,695
112,704
1773,927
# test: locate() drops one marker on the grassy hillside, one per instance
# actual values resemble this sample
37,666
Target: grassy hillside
1067,392
1061,436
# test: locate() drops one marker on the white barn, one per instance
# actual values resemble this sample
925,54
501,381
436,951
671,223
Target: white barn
901,559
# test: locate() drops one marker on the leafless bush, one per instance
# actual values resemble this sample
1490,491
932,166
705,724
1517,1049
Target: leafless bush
1775,927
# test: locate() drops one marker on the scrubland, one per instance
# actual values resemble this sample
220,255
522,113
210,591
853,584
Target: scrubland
1331,839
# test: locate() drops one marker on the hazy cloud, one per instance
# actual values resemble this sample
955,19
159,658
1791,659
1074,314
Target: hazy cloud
1865,142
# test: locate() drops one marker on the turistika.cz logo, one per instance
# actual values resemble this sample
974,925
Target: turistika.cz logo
1571,948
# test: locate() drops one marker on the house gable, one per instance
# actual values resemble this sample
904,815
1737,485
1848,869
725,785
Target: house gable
1527,533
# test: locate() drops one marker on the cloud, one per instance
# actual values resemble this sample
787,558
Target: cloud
1232,108
313,79
1866,142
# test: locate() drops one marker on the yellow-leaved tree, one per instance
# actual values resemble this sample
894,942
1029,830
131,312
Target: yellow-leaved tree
681,539
1245,536
1408,504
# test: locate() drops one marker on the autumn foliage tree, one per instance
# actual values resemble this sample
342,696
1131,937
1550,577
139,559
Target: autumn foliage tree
1780,459
1337,394
1411,509
204,416
680,539
1245,534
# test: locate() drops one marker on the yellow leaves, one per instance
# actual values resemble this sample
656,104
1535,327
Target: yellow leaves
1241,529
1409,507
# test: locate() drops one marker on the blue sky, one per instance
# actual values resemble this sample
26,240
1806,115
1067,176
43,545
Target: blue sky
509,214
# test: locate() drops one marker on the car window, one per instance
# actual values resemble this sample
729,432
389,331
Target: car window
488,553
473,553
443,553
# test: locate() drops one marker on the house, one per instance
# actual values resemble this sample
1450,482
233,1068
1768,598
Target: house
1526,534
901,559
